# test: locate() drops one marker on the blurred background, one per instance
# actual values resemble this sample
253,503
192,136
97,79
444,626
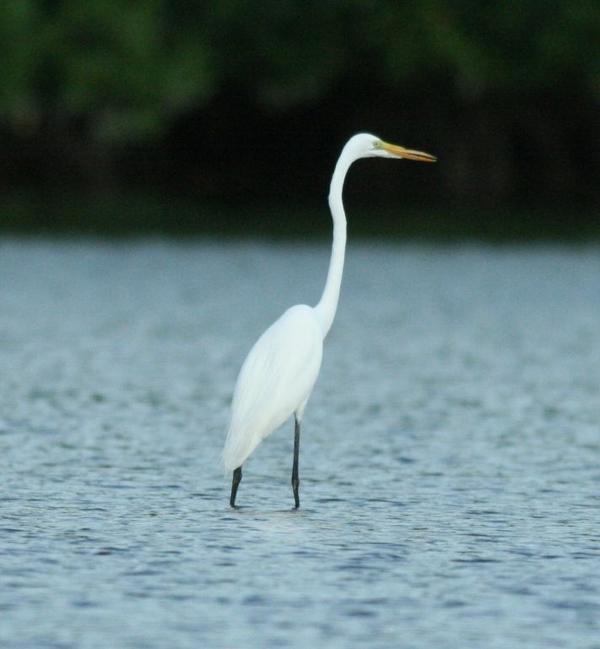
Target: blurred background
227,117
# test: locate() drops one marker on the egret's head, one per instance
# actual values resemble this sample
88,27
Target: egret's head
365,145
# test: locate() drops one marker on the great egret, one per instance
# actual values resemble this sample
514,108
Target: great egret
280,371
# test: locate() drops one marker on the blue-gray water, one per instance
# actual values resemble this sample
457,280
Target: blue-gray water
449,460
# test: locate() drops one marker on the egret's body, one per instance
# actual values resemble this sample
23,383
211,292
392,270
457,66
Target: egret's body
280,371
275,381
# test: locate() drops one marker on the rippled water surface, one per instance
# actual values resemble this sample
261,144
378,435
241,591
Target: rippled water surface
449,460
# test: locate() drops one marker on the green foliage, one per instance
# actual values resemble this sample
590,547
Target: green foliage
291,51
283,51
489,46
127,68
18,55
124,67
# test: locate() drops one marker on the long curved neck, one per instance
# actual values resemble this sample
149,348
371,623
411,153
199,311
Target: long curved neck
327,305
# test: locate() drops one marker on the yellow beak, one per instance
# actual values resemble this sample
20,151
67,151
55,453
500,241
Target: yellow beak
409,154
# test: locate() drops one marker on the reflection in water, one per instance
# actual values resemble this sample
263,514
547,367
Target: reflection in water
449,463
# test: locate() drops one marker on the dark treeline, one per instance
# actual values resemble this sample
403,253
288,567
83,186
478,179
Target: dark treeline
244,99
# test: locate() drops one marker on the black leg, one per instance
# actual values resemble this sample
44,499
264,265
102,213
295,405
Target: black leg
295,478
237,478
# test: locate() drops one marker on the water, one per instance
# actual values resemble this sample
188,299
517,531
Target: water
449,461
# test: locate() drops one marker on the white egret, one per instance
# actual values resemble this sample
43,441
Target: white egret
279,373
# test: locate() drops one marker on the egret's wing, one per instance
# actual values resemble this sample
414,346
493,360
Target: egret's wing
275,380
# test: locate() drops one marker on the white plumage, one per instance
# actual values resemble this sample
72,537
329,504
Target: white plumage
275,381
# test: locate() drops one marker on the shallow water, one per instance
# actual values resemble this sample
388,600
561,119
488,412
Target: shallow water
449,459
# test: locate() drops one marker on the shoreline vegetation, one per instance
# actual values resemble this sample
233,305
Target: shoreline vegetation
132,214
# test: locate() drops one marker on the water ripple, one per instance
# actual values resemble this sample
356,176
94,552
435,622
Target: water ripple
449,459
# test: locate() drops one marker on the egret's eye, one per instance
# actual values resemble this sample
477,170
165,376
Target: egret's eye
377,144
